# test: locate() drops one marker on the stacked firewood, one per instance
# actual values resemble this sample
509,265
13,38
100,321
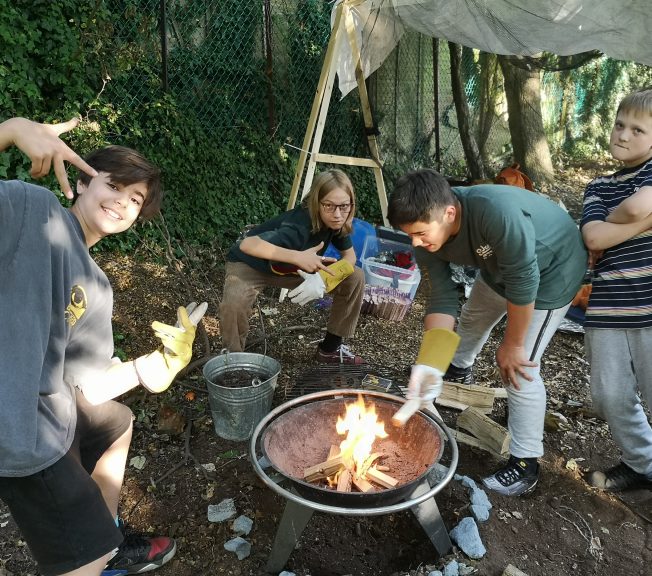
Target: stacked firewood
344,477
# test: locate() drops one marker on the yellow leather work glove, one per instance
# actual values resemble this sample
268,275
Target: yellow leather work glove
157,370
436,353
341,270
438,347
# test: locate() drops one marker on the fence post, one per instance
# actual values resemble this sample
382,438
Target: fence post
164,46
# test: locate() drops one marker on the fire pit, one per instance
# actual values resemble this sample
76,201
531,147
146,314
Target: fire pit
301,438
300,433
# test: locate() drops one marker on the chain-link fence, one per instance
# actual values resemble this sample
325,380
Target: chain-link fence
257,63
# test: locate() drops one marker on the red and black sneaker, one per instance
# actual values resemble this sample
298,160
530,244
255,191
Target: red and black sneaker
341,355
138,553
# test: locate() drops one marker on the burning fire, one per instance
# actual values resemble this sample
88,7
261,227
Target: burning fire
363,427
353,464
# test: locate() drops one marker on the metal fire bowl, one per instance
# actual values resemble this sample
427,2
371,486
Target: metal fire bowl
299,433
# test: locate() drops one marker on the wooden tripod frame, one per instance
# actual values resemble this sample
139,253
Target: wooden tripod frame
343,28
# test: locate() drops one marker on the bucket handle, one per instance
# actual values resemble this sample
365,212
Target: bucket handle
255,382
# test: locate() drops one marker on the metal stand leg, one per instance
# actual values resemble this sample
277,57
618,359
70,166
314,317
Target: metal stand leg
295,519
427,514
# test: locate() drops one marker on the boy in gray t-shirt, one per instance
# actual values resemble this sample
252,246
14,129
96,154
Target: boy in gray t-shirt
65,441
531,260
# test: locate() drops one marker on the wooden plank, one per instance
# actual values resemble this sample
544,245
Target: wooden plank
381,478
405,412
346,160
344,481
480,397
323,469
469,440
361,484
490,433
458,405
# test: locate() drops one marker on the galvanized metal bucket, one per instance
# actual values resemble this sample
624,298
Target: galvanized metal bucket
236,411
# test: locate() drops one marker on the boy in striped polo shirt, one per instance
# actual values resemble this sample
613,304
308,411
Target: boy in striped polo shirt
617,229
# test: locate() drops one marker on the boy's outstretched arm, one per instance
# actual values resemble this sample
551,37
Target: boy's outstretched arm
155,371
42,145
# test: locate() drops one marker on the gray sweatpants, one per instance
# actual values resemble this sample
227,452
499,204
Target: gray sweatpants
621,368
527,406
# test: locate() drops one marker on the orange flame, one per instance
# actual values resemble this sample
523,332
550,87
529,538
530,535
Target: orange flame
363,427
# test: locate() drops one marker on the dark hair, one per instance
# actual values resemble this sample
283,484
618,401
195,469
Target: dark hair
418,197
124,167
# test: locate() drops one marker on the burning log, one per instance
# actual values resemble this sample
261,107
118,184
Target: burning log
352,463
323,470
344,481
368,462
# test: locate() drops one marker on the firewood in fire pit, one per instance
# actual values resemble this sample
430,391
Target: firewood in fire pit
323,469
344,481
368,462
361,484
381,478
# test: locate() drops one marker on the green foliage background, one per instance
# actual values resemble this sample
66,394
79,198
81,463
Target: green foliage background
226,131
54,61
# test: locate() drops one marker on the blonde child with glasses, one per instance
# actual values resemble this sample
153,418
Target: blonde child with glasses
288,252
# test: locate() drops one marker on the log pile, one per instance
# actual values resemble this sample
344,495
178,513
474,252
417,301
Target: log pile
341,474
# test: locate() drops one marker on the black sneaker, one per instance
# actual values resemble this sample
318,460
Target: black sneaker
459,375
618,478
517,478
138,553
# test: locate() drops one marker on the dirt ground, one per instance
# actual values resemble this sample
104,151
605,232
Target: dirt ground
563,528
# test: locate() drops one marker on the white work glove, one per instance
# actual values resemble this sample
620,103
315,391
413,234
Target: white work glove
311,288
426,383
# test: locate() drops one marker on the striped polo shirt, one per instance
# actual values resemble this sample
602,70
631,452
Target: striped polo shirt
622,280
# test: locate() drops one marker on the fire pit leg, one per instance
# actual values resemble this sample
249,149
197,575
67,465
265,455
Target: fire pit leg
427,514
295,519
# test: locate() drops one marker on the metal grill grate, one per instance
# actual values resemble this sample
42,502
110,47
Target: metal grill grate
327,377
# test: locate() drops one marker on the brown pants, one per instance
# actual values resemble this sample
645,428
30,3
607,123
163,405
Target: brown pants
241,288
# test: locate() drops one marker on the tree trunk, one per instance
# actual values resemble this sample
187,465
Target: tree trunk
531,151
471,153
490,90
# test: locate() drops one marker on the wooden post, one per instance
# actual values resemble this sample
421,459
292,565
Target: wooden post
316,105
343,28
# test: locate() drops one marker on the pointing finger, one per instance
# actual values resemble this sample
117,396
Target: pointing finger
77,161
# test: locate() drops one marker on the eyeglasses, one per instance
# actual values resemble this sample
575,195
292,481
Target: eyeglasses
330,208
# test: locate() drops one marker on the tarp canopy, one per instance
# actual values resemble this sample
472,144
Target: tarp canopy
620,29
